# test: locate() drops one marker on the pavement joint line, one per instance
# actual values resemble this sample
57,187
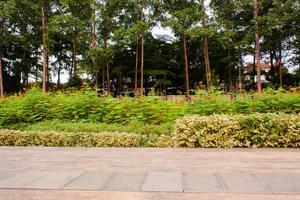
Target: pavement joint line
14,173
143,181
109,179
184,184
182,181
38,178
133,191
266,186
71,181
221,181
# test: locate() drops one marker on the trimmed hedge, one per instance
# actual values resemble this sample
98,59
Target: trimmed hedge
64,139
215,131
225,131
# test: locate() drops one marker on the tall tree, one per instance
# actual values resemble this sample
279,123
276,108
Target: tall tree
94,44
181,16
45,52
1,78
257,46
205,48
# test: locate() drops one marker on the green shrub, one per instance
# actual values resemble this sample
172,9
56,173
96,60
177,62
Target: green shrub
148,133
222,131
84,106
64,139
269,102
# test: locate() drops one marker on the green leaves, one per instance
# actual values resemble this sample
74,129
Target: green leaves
226,131
85,106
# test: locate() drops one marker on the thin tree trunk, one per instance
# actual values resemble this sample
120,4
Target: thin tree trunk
44,47
120,85
48,70
36,74
103,79
74,62
94,44
254,69
142,54
1,78
187,94
257,55
272,66
96,83
207,62
108,79
58,76
206,53
230,69
106,59
136,69
280,67
241,67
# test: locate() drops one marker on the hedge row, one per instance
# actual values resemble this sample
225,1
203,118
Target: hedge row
215,131
65,139
225,131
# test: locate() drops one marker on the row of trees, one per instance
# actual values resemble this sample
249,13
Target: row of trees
113,42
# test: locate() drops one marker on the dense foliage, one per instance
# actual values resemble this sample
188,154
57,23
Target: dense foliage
112,43
214,131
64,139
223,131
86,107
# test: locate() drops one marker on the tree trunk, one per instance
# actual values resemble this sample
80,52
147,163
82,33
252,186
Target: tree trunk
187,94
241,67
36,74
257,55
108,79
205,48
74,62
120,85
48,70
1,78
207,63
142,54
94,44
103,79
230,70
44,47
136,69
254,69
272,67
58,76
106,59
280,67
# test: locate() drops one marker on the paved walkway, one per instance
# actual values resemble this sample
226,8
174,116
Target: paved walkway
83,173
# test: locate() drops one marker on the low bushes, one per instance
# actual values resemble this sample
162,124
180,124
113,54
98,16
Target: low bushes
65,139
214,131
222,131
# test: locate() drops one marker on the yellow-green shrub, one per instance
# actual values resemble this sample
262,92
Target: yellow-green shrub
254,130
64,139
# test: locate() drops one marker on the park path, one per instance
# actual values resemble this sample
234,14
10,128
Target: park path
112,173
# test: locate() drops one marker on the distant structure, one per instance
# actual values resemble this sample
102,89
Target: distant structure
265,68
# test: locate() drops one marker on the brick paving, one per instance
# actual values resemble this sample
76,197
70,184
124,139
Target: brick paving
111,173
